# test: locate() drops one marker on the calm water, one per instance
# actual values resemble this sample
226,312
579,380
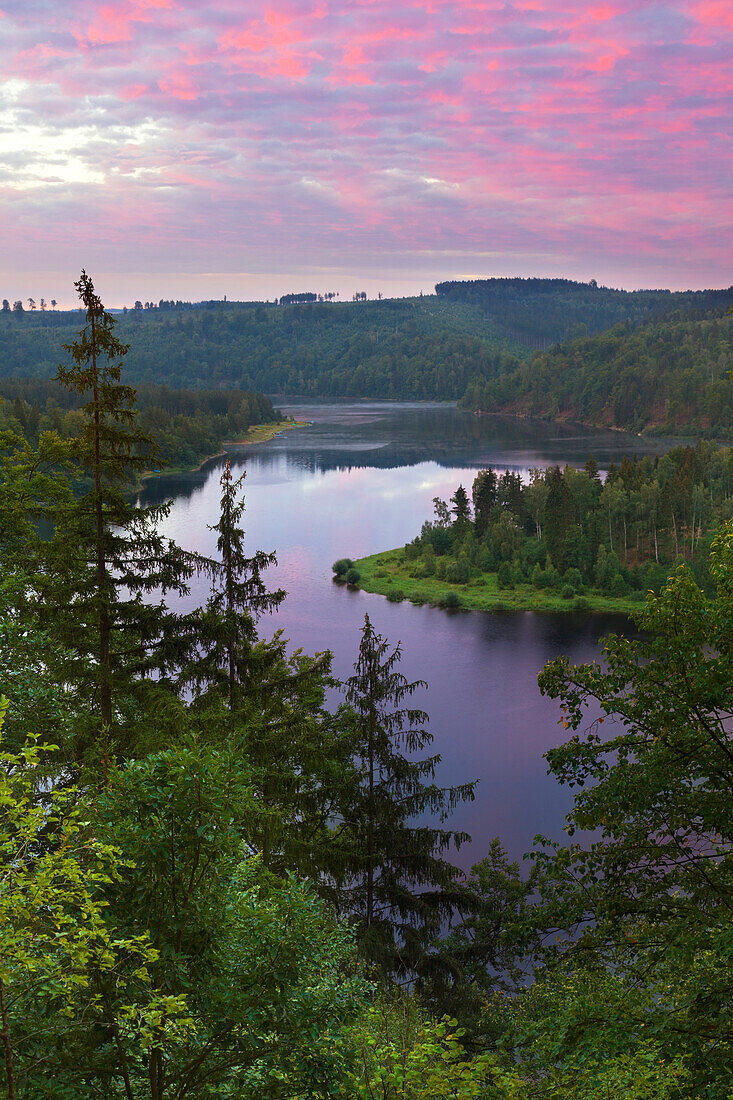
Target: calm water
362,479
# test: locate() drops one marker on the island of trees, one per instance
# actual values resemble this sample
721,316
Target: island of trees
565,540
214,883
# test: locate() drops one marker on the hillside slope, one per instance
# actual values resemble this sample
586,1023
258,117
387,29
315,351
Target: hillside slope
670,376
541,312
415,348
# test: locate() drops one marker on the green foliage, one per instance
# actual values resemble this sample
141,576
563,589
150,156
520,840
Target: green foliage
403,1055
541,312
650,897
418,348
219,651
188,425
342,566
392,878
77,994
670,376
353,576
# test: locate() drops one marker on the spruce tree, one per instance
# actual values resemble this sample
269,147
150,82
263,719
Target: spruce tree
221,649
106,552
393,878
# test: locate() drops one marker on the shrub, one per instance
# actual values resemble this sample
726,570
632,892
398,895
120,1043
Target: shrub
573,578
451,601
412,550
342,566
618,586
428,568
441,566
567,592
353,576
580,603
396,596
505,577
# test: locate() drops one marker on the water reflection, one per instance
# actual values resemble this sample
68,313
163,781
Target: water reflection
361,479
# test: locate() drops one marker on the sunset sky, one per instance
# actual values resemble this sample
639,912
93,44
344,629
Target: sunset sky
177,149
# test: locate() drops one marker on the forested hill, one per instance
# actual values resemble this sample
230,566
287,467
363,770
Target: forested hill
541,312
419,348
670,376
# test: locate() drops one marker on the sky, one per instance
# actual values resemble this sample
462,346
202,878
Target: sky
179,149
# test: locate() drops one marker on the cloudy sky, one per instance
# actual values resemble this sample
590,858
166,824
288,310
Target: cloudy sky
178,149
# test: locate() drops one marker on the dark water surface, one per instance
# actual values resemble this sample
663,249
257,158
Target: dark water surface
362,479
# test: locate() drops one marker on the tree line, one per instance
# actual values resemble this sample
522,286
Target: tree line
214,884
411,348
186,425
566,530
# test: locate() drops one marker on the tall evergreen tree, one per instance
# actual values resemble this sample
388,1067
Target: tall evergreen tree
559,518
106,552
394,880
222,648
484,493
461,507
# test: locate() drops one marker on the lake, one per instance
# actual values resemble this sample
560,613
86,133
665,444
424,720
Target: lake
361,478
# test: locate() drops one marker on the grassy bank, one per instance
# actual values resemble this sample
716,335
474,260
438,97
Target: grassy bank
389,574
258,433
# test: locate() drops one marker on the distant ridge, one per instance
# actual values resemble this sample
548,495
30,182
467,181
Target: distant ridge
542,312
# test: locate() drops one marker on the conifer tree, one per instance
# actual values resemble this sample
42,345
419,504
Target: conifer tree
394,880
106,552
221,647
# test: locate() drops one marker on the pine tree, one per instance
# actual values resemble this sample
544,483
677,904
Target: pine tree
106,553
461,507
221,648
484,493
393,878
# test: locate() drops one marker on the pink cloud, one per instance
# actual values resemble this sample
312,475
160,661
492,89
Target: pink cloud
386,128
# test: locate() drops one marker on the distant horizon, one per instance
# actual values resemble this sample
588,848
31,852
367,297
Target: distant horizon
240,149
68,305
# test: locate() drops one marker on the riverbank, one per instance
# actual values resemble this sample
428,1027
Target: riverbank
261,433
258,433
388,574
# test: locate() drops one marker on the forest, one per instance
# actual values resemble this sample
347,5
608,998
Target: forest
542,312
566,539
418,348
218,882
472,340
181,427
670,376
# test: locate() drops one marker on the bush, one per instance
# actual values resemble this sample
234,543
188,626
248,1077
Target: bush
573,578
441,566
505,578
618,586
412,550
342,566
567,592
396,596
451,601
580,603
353,576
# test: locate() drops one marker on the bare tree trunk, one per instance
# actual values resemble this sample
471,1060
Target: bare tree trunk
656,546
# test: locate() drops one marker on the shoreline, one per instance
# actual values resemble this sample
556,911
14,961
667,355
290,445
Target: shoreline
384,574
257,433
